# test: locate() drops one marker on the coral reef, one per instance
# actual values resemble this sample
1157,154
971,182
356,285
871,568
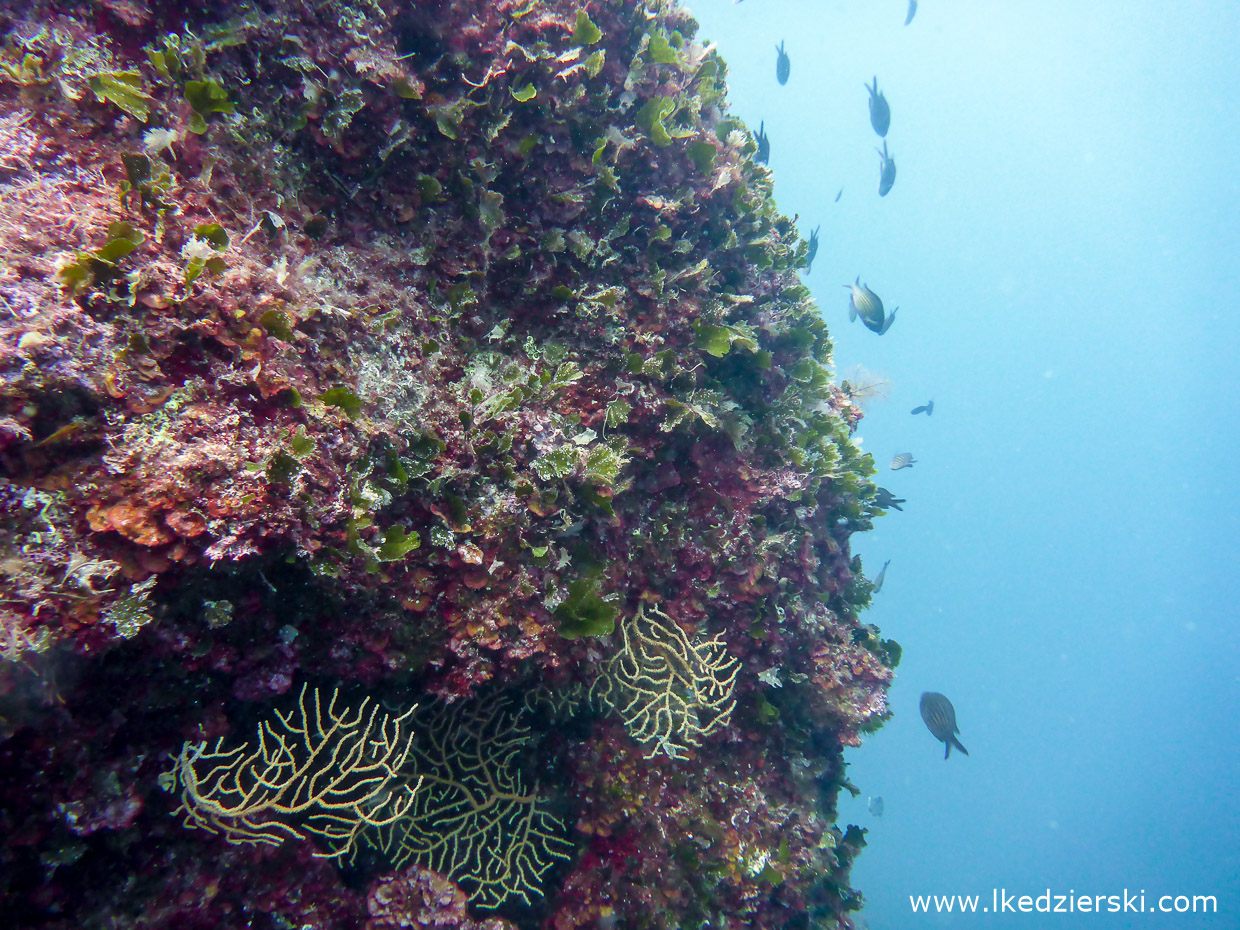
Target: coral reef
472,818
445,354
670,692
419,898
323,773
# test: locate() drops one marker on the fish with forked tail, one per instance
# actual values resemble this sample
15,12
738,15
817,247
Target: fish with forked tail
764,144
813,250
783,64
940,718
888,501
866,304
903,460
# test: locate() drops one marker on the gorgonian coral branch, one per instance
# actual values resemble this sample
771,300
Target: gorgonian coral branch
670,691
474,820
317,771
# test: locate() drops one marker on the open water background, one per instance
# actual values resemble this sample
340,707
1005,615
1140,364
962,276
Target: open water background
1063,241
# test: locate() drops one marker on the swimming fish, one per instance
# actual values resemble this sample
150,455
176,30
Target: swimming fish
880,112
940,719
813,250
876,805
912,11
867,305
903,460
888,501
927,409
887,171
839,194
880,578
69,429
764,145
783,64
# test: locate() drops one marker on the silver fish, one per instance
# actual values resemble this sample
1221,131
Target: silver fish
940,719
783,64
926,408
813,250
867,305
876,805
903,460
880,578
880,112
887,171
912,11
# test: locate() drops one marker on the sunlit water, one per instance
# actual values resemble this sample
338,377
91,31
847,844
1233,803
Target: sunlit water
1062,242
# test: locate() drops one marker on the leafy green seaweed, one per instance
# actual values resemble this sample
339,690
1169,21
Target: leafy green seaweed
98,267
343,398
584,612
125,89
585,32
650,119
397,544
205,98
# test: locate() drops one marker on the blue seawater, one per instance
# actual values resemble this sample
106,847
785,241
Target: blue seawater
1063,241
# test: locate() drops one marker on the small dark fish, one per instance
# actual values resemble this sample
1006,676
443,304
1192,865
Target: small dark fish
880,578
940,719
888,501
903,460
783,65
927,409
876,805
887,172
813,250
867,305
839,195
912,11
880,112
764,145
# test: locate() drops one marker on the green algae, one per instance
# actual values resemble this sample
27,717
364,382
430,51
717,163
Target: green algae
344,399
98,268
651,116
205,252
149,179
175,57
586,32
277,323
584,612
206,97
396,544
126,90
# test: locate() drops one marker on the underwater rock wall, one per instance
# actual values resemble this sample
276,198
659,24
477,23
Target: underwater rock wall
449,354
